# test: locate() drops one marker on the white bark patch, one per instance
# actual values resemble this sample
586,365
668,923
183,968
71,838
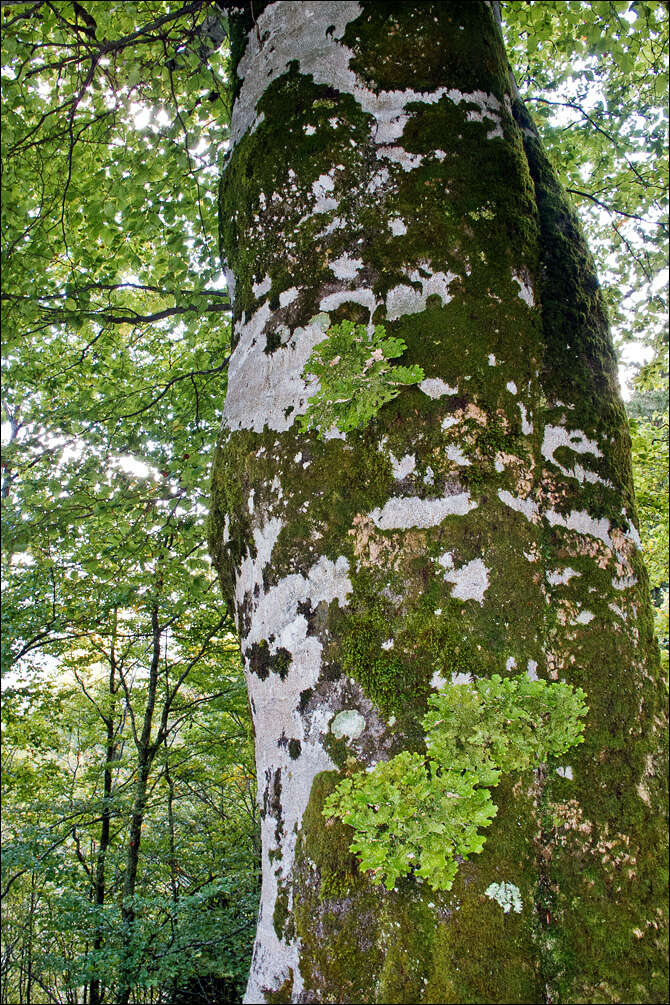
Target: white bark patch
345,267
363,296
449,421
403,467
582,523
287,297
526,506
437,681
577,441
525,289
397,226
334,434
507,895
349,723
251,569
404,299
436,388
398,155
274,611
624,583
559,577
276,715
471,581
456,455
260,289
267,389
526,424
633,535
511,387
401,513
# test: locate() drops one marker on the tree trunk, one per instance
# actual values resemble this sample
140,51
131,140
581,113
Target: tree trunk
99,883
146,751
382,170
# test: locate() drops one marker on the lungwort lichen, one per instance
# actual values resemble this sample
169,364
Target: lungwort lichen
421,815
355,376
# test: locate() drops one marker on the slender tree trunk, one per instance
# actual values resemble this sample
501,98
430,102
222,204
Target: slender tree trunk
105,823
31,928
383,170
146,751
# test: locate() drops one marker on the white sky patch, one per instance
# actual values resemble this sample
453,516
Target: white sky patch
461,678
531,670
437,681
511,387
492,359
565,771
584,618
324,183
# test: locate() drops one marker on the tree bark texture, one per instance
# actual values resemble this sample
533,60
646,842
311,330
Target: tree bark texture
382,169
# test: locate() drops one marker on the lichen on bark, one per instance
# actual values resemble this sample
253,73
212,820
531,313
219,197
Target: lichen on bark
383,172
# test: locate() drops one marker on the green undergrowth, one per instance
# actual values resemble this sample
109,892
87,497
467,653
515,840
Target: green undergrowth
423,815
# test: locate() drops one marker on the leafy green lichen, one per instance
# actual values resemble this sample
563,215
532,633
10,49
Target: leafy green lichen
421,815
355,377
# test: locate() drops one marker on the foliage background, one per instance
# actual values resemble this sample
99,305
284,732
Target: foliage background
117,662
